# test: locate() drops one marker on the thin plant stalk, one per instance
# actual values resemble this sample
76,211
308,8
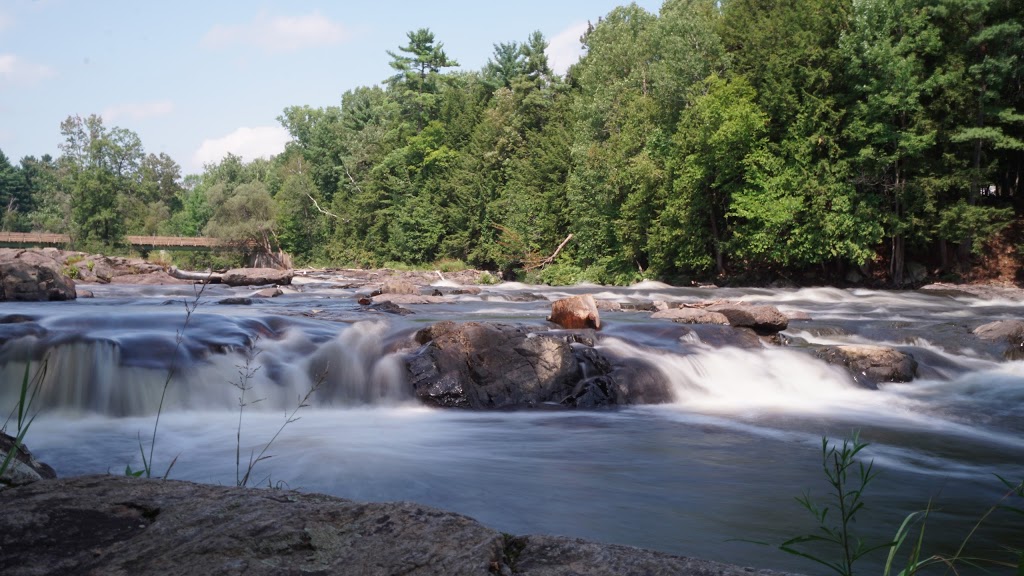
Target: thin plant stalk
289,418
147,463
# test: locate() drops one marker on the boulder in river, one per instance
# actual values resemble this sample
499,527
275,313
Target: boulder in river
490,365
575,313
1009,332
120,525
871,365
764,320
30,275
257,277
692,316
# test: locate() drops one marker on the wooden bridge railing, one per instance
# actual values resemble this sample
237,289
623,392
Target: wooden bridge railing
46,239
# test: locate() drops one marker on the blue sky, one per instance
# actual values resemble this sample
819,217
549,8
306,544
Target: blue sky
199,79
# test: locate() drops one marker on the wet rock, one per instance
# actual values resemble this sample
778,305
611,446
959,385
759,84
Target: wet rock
118,525
470,290
608,305
268,293
23,468
576,312
408,299
762,319
257,277
798,316
1008,332
718,336
84,293
639,307
691,316
491,365
27,275
871,365
235,301
389,308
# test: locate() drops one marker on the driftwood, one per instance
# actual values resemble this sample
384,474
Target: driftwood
207,277
551,258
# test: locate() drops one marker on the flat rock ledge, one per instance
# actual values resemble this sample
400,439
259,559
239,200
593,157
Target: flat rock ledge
120,525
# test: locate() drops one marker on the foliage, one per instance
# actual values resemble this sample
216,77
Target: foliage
22,411
709,138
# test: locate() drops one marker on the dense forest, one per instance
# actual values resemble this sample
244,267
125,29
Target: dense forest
718,137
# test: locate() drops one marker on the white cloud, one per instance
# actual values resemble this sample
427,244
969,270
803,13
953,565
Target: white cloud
137,110
15,70
565,48
249,143
279,33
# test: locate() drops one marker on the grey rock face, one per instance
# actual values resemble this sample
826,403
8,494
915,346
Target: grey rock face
23,468
119,525
27,275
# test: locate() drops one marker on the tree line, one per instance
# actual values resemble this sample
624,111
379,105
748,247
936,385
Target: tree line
717,137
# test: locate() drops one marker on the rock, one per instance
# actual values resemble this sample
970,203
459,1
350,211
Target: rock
408,299
465,290
119,525
916,272
158,278
23,468
257,277
575,312
397,286
235,301
1008,332
28,275
84,293
491,365
764,320
691,316
871,365
268,293
608,305
389,308
853,277
798,316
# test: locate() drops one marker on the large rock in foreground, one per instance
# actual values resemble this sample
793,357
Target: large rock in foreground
484,366
119,525
871,365
28,275
257,277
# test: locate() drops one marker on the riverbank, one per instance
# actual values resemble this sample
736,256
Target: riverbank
114,524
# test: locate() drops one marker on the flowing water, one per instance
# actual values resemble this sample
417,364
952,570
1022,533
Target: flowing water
702,476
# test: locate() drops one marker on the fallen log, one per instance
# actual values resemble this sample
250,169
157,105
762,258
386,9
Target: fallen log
205,277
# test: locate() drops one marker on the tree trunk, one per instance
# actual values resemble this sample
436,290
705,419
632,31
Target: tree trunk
896,264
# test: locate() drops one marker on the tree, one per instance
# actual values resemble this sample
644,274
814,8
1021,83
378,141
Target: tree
417,67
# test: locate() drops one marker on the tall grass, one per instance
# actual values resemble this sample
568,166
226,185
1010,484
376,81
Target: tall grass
836,546
22,412
147,462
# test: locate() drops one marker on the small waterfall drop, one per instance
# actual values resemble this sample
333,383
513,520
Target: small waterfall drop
89,376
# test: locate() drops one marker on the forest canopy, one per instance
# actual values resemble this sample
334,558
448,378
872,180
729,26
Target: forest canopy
713,138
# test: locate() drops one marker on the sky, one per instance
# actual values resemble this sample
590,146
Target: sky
197,80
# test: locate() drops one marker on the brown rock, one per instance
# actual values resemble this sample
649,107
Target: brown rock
268,293
762,319
691,316
398,286
575,313
408,299
871,365
29,275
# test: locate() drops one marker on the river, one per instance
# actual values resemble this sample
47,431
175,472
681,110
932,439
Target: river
703,476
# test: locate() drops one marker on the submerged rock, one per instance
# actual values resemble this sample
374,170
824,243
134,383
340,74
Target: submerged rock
120,525
871,365
28,275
